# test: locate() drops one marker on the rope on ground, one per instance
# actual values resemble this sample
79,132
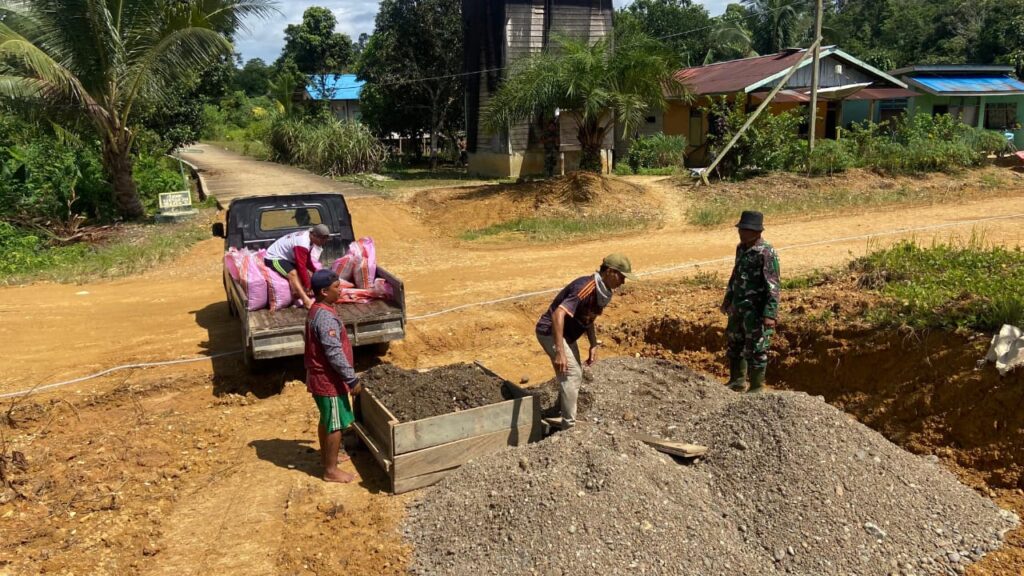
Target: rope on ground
115,369
525,295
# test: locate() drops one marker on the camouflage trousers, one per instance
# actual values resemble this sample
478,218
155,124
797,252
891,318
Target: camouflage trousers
749,339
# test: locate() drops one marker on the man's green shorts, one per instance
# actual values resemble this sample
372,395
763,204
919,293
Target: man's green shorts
335,412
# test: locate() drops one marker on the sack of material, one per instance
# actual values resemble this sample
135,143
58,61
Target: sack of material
279,291
252,277
1007,349
344,267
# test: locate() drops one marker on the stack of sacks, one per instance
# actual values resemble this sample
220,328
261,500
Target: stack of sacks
357,270
264,288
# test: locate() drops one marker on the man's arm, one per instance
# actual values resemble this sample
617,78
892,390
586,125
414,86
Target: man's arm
302,265
773,281
594,344
328,332
558,334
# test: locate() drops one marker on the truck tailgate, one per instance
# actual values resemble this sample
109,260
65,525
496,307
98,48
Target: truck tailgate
279,333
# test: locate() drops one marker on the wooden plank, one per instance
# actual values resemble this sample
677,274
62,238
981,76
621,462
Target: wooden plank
458,453
412,436
680,449
378,421
373,447
417,482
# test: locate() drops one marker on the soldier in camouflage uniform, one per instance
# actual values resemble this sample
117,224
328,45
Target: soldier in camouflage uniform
752,304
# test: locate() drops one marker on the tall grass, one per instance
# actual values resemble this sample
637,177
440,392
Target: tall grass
952,285
326,145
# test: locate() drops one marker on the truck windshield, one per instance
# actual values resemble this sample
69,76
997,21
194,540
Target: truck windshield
290,218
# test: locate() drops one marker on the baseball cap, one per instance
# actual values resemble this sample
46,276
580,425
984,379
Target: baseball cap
320,230
322,279
620,264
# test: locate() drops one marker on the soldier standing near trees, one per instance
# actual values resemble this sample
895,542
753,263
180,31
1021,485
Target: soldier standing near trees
752,304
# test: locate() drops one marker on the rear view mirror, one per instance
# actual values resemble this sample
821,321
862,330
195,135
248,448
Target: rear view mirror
218,230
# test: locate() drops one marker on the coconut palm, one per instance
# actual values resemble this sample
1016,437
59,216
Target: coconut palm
592,83
98,60
779,22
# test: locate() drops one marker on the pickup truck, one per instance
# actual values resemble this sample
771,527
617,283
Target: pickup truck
255,223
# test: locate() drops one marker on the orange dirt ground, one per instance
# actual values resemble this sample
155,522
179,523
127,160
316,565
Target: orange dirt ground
202,468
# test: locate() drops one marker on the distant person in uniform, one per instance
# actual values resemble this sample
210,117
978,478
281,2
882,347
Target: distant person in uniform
752,304
572,314
330,377
292,257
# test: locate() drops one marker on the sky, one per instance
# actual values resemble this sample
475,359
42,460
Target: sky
265,38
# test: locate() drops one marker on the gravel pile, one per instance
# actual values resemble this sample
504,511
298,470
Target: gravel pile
412,395
790,485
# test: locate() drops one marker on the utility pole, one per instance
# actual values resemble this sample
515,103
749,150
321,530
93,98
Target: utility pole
815,74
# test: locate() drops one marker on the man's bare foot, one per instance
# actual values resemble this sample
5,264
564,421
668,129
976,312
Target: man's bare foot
340,476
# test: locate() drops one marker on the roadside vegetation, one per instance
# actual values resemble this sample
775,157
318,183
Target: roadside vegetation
966,285
787,194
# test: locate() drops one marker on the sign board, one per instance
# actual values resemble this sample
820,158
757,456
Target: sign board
175,200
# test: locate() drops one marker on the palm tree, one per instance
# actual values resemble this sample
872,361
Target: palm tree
778,22
730,38
98,59
591,82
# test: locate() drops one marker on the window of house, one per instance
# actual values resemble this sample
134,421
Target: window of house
966,109
1001,116
695,134
889,109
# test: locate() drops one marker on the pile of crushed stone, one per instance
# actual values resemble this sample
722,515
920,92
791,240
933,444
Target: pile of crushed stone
413,395
790,485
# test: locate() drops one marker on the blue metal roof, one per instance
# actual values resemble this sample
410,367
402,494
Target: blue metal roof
974,84
338,87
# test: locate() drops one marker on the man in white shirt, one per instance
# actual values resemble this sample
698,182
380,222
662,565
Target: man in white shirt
292,256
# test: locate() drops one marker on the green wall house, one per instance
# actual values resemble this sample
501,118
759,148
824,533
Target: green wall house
984,96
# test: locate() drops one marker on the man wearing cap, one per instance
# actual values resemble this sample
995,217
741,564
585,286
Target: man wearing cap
572,314
752,304
330,377
293,255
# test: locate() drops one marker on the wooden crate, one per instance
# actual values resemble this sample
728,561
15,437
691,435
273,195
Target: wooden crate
422,452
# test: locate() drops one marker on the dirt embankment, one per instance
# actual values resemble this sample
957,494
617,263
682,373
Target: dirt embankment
576,195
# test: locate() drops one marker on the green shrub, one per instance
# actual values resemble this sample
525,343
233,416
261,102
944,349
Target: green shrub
326,145
772,142
656,151
830,157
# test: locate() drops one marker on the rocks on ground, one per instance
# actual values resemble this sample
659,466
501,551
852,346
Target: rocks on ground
790,485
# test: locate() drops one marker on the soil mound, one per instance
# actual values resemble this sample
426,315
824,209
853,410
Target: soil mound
412,395
579,194
789,485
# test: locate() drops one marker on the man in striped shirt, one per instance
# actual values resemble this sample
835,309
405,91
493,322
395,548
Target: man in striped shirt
571,315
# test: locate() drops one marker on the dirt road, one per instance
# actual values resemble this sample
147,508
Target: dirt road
57,332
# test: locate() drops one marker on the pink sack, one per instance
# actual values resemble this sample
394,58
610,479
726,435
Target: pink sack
344,267
279,292
361,275
370,256
233,261
252,276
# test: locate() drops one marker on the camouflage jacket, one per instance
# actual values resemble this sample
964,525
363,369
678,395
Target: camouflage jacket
754,285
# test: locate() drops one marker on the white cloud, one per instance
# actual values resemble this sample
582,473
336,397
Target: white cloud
266,37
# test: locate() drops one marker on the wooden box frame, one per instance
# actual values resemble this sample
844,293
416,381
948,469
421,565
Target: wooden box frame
421,452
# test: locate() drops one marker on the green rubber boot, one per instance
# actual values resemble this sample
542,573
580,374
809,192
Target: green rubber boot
737,374
757,380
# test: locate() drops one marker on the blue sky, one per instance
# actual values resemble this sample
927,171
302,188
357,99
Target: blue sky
354,17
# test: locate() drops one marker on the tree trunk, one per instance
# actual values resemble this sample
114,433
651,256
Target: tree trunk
433,133
591,138
118,162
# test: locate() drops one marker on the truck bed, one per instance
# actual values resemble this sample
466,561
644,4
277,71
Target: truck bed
265,321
